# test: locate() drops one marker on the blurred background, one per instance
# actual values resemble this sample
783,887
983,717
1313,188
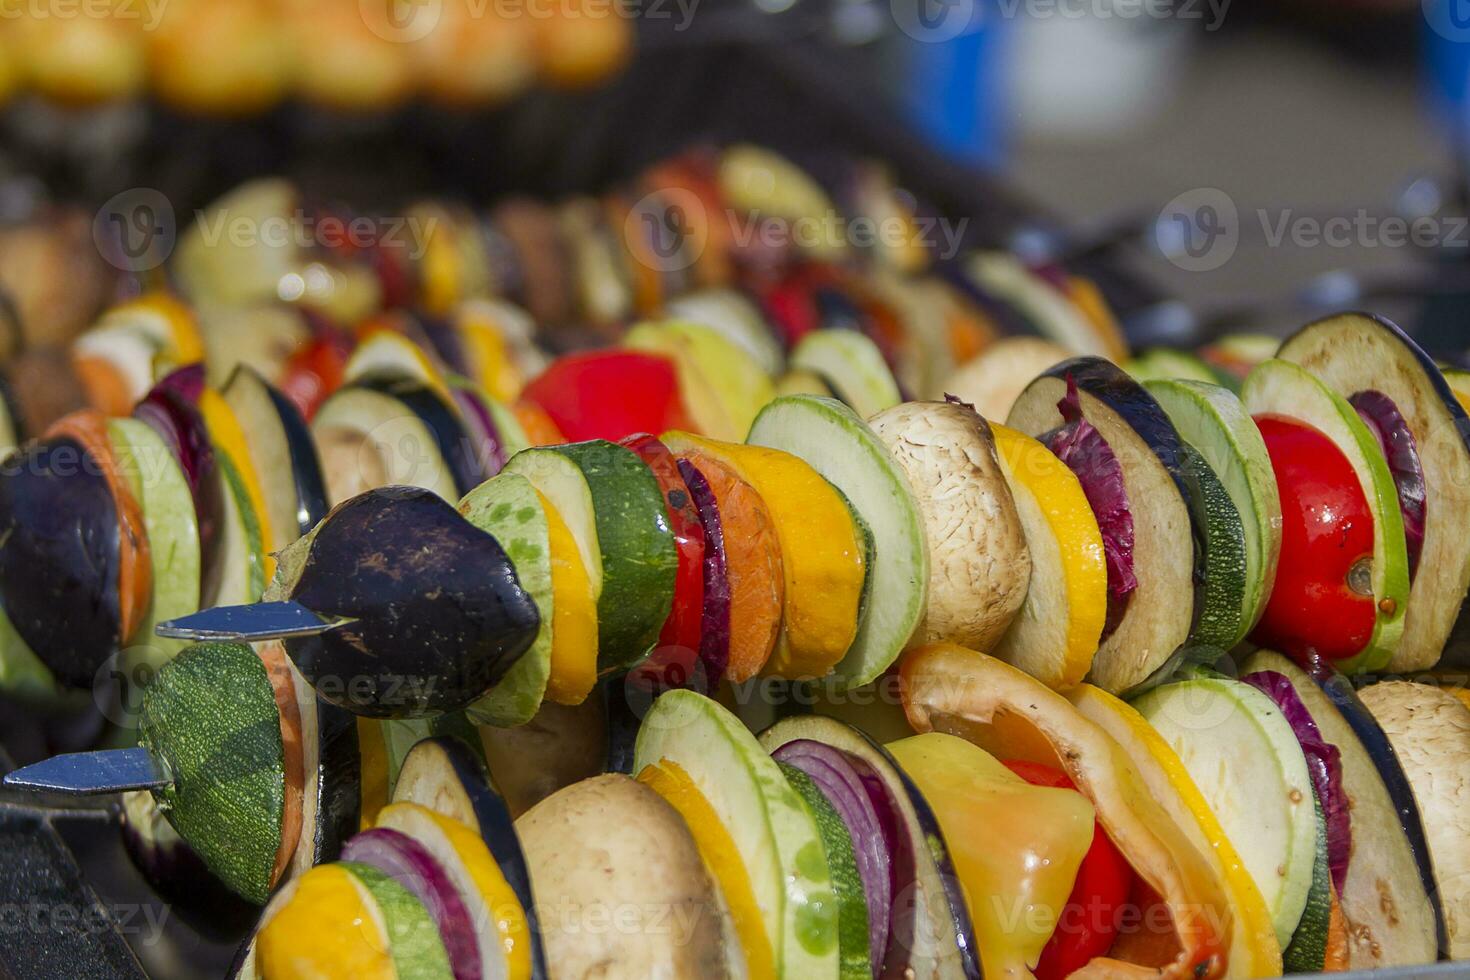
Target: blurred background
1120,121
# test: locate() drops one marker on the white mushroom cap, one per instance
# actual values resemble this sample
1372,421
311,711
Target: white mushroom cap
1429,729
621,890
979,567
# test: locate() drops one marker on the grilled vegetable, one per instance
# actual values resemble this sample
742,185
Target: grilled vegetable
437,614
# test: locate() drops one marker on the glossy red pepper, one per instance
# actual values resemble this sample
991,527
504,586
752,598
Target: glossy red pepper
1322,602
1089,923
610,394
679,641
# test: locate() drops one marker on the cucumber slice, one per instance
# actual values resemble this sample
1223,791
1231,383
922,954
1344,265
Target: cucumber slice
159,486
508,508
1307,951
1212,420
614,508
854,961
1220,570
1246,761
1277,387
210,718
852,365
771,827
1389,898
841,447
413,938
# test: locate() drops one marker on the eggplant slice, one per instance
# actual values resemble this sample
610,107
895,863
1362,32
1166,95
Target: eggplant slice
1160,612
59,563
449,777
1355,352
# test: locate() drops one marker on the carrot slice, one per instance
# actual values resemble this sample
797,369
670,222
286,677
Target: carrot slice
273,655
107,390
134,565
752,564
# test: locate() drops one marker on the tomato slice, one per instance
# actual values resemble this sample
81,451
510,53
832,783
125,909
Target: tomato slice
1088,924
679,641
134,565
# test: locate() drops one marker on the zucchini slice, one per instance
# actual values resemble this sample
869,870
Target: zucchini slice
159,486
1243,756
772,829
210,718
1211,419
839,446
613,505
508,507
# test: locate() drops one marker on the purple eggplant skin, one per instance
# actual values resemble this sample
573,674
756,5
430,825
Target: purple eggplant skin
60,559
445,341
1339,691
338,783
306,465
1116,388
179,876
466,764
451,439
439,615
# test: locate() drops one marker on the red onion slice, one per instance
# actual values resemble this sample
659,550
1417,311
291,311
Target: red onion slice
410,864
1388,426
490,453
1324,765
714,633
861,803
1087,454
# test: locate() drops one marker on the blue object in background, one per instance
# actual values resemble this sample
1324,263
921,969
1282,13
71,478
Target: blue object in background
1447,67
953,78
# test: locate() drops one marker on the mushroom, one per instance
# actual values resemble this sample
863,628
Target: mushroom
620,888
1429,729
979,566
995,378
